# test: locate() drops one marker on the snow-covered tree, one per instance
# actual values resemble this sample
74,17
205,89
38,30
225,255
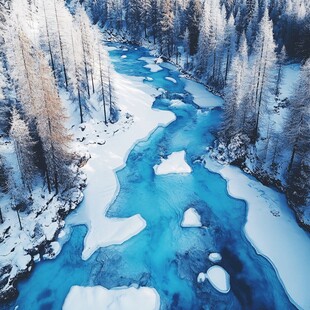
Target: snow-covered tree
280,62
22,68
53,135
23,145
186,46
235,109
194,12
230,43
134,20
263,71
298,123
154,19
166,25
203,51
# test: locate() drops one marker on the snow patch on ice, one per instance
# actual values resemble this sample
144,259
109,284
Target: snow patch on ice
279,238
215,257
175,163
168,78
123,298
135,100
191,218
202,97
176,103
124,56
201,277
151,64
219,278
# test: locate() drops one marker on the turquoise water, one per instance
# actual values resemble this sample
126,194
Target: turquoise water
165,255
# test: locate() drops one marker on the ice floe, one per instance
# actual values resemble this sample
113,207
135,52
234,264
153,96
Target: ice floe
123,298
191,218
175,163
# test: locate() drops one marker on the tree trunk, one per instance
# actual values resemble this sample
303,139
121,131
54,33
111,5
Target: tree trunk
20,223
227,65
259,103
85,63
61,48
102,90
1,217
292,158
77,81
49,42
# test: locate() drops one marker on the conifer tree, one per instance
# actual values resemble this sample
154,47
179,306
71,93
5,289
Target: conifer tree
52,132
298,122
194,12
23,145
167,24
263,66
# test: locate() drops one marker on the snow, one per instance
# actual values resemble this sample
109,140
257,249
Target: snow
149,79
201,277
151,64
290,77
202,97
175,163
272,229
219,278
123,298
134,98
176,103
168,78
124,56
191,218
215,257
40,223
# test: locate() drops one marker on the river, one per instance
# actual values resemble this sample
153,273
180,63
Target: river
165,255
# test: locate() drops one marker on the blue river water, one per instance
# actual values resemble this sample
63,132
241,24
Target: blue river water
165,255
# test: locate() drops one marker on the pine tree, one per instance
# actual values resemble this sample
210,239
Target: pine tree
298,122
186,46
23,145
194,12
53,135
134,20
167,24
204,40
264,63
154,19
280,62
230,43
235,96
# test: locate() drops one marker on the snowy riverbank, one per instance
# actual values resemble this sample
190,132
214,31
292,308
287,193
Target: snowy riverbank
29,236
272,230
135,99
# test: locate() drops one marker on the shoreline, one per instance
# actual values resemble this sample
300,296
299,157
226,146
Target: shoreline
135,98
268,219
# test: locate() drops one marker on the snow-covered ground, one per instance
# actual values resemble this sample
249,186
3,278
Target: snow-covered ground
290,77
202,97
175,163
134,98
191,218
123,298
273,231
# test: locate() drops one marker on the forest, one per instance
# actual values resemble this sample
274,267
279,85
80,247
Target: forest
98,104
